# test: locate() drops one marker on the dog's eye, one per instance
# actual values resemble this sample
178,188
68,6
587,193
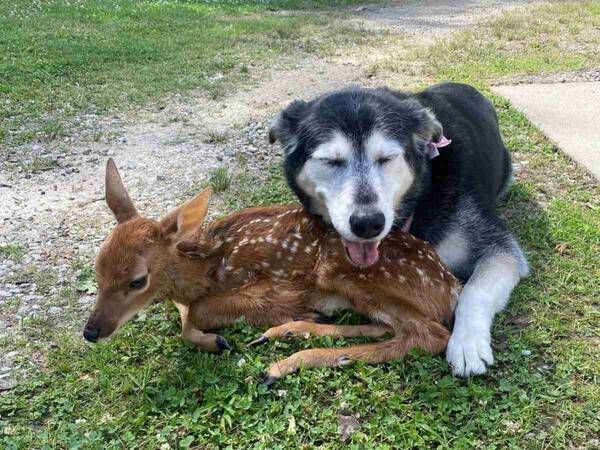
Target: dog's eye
384,160
334,162
139,283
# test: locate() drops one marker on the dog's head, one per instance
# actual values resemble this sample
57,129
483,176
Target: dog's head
358,158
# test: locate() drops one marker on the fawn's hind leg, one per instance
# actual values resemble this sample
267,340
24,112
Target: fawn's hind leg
305,329
260,303
429,336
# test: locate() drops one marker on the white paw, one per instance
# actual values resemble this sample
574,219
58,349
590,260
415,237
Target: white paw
469,352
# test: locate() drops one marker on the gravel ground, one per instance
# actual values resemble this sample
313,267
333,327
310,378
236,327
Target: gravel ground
551,78
431,17
51,194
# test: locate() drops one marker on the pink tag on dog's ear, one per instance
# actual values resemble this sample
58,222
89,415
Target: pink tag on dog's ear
432,147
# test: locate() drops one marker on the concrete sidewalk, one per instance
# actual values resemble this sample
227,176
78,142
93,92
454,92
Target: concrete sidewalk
567,113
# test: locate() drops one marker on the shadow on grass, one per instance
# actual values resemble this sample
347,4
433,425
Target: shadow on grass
531,225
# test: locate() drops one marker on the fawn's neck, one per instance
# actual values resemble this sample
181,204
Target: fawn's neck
187,279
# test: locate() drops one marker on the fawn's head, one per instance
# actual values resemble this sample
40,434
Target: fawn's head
132,264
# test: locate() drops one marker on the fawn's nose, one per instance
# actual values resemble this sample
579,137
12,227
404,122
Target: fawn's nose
367,226
91,334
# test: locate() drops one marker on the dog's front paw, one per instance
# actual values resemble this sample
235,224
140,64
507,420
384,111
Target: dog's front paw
469,352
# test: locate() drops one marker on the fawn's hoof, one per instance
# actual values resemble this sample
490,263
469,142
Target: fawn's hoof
222,344
268,380
315,316
259,340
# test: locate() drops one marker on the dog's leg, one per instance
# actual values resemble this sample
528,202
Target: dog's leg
425,335
486,293
306,329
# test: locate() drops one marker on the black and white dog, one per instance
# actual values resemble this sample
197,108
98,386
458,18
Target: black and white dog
366,160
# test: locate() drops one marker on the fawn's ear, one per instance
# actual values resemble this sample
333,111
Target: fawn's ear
117,197
186,219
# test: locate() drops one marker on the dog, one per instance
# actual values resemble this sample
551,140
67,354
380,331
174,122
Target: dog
273,266
368,160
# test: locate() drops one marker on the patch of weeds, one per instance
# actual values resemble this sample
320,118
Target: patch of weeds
44,280
53,129
178,140
11,305
178,118
14,252
241,159
249,189
38,164
216,136
97,135
85,280
219,179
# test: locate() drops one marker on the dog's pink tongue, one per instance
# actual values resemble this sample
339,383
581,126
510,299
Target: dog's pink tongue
362,253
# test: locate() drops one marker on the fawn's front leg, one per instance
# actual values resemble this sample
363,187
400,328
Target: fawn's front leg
207,342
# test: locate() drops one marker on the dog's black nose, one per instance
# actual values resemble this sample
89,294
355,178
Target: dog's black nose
91,334
367,226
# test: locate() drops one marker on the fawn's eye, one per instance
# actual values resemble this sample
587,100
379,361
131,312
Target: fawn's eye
139,283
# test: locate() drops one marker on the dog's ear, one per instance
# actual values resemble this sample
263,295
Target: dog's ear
284,126
428,127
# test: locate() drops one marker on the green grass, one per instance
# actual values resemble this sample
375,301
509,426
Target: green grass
526,41
216,136
59,58
14,252
219,179
531,41
148,388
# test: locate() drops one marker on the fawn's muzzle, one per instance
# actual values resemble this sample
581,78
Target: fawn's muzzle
91,334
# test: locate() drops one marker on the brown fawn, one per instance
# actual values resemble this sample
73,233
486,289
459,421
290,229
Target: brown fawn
275,266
